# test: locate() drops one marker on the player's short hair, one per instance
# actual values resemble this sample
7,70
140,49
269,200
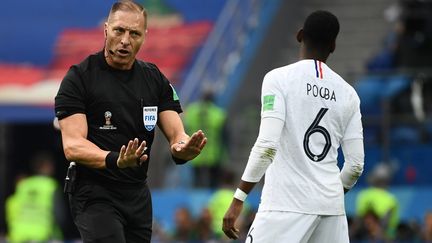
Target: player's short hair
129,5
320,29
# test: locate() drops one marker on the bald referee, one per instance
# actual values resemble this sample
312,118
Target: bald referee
108,107
308,112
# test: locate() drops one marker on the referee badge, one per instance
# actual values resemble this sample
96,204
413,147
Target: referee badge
150,117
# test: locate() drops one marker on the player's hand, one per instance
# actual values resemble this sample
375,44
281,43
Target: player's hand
188,150
230,218
132,155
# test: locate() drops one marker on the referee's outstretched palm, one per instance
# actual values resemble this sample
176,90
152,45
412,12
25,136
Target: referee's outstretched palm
132,155
188,150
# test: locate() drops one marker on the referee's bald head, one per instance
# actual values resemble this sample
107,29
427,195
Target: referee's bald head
128,5
320,30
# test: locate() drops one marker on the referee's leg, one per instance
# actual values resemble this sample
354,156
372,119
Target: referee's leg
138,211
95,217
100,224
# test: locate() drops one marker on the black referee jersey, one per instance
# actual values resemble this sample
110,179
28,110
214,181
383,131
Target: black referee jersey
120,105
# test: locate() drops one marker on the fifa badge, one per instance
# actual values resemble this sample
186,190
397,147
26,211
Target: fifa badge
150,117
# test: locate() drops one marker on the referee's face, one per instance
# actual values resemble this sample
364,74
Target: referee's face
124,34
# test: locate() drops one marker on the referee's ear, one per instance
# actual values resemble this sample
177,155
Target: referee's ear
106,29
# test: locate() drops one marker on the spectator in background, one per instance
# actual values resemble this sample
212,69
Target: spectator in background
408,44
184,226
36,210
427,228
205,114
159,235
415,42
377,200
369,228
408,231
204,226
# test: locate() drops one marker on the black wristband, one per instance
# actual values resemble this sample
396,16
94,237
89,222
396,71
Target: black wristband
178,161
111,160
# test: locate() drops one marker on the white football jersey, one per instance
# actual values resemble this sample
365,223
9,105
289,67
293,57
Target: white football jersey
320,110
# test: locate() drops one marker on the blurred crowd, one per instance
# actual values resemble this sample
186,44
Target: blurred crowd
377,216
205,227
408,42
406,53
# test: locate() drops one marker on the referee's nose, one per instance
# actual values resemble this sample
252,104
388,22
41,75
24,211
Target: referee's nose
125,40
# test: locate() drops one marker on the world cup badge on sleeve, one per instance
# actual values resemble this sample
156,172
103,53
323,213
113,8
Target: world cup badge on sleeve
108,122
150,117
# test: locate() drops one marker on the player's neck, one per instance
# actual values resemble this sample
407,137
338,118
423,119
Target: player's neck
311,54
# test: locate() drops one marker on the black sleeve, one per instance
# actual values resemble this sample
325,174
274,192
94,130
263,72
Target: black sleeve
169,99
70,98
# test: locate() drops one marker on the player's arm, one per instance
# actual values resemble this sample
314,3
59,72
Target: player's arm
183,148
353,152
261,156
78,148
352,148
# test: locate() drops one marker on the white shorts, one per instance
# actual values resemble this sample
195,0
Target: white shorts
276,226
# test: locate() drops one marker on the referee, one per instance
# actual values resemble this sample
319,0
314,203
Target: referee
108,107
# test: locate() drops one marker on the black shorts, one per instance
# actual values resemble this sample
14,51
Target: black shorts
112,214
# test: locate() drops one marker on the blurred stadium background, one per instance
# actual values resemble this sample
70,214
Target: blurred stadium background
384,50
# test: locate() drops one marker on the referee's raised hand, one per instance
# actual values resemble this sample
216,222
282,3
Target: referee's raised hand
132,155
188,150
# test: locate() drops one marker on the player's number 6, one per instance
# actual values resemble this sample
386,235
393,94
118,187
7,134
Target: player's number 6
314,127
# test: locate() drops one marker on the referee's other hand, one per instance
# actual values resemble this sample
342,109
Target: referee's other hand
132,155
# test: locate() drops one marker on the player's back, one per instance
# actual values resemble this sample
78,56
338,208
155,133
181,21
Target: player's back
317,106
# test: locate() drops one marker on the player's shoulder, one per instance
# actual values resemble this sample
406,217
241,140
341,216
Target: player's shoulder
343,84
350,90
290,69
287,68
280,72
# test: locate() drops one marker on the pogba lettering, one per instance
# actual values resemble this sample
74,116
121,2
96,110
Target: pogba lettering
320,92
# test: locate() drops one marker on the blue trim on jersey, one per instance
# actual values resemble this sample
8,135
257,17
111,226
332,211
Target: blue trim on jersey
316,69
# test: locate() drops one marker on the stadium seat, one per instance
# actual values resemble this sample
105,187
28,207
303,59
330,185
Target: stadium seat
171,48
395,84
370,90
405,134
20,74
